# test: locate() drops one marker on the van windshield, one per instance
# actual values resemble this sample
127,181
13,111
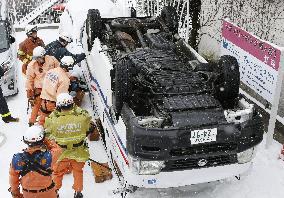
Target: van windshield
4,43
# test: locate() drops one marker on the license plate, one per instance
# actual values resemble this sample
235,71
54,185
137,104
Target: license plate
203,135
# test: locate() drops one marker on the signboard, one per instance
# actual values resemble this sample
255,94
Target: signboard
261,66
259,60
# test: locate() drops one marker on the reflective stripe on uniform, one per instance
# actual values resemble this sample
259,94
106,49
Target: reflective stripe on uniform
21,53
6,115
29,57
26,60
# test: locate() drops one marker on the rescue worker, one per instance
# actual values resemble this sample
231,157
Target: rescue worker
76,90
36,71
25,51
56,81
32,168
58,48
69,125
4,110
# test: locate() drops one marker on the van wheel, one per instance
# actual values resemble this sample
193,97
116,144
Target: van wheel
93,26
123,84
207,67
228,82
170,18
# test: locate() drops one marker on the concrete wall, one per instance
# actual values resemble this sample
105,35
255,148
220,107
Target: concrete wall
264,18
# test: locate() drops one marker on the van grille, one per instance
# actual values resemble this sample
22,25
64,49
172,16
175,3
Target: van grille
189,163
204,149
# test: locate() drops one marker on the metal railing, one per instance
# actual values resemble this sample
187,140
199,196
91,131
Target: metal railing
23,12
154,8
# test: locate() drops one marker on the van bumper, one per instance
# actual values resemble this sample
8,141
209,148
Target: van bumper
187,177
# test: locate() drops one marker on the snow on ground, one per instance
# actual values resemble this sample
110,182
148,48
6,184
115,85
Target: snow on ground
266,180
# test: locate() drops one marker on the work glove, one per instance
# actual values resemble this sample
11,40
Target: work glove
24,68
31,96
79,57
16,193
91,128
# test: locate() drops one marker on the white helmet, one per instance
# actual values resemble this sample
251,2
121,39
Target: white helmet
76,72
64,100
66,37
67,61
30,29
34,135
38,52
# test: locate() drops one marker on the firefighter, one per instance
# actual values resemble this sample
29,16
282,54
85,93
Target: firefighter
58,48
69,125
36,71
76,89
56,81
25,51
4,110
32,168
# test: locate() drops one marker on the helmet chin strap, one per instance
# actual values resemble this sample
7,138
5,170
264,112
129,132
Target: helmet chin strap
66,68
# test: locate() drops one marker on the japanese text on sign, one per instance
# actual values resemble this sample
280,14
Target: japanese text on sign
259,61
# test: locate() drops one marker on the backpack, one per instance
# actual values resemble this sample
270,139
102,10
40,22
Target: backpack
39,161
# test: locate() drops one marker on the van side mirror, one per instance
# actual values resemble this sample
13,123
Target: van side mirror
12,39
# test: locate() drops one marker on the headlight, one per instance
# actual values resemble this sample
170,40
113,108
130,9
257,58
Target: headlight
246,156
142,167
7,65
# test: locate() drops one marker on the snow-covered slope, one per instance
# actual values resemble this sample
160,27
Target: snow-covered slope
266,179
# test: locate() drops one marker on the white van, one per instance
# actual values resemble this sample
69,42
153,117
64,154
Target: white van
167,118
8,59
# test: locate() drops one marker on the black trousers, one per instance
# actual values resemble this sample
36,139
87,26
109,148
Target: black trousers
3,104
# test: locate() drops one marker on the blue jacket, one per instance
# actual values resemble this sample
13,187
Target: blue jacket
57,50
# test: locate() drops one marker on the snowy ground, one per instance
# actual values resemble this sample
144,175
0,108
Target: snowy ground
266,180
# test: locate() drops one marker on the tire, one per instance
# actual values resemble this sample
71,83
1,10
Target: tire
228,83
123,86
207,67
170,18
93,26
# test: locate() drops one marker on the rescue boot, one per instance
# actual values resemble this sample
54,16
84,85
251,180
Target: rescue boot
31,124
78,195
9,118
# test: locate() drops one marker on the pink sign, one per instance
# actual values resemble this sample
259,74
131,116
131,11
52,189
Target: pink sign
253,45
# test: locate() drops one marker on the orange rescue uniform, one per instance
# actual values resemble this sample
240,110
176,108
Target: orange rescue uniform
35,75
55,82
34,184
25,51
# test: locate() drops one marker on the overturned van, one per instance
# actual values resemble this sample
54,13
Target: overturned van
8,59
